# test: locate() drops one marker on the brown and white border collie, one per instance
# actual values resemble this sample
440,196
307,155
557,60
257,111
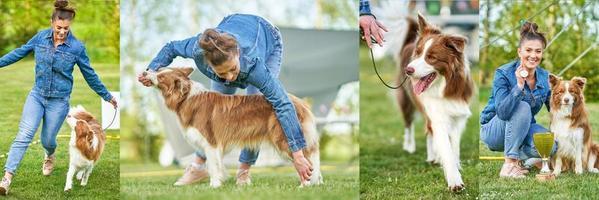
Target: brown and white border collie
570,124
440,88
86,145
216,122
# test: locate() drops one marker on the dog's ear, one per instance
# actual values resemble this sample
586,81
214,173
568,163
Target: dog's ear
553,80
81,128
187,71
422,24
580,81
183,85
456,42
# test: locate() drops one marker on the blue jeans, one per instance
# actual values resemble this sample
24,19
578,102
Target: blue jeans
515,136
53,111
273,63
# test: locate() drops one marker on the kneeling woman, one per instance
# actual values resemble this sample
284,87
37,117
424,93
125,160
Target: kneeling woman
519,90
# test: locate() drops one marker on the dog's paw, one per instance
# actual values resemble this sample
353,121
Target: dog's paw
556,172
457,188
67,189
409,147
79,175
578,170
215,183
594,170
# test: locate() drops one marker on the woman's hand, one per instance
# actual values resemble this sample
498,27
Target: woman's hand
143,80
114,103
371,26
519,78
302,165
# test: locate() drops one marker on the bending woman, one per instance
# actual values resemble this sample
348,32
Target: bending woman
243,51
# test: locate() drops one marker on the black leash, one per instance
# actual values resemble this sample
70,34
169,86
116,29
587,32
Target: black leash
112,121
380,78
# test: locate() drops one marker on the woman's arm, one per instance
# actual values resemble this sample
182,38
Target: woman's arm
19,53
183,48
506,99
91,77
275,94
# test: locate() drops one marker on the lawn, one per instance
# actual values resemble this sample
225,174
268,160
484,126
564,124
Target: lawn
566,186
152,181
29,183
386,170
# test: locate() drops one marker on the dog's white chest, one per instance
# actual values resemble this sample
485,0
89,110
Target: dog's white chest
569,139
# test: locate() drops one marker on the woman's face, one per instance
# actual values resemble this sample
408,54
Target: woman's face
530,53
229,69
61,28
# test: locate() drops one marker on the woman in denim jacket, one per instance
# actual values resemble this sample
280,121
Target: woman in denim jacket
243,51
520,89
56,51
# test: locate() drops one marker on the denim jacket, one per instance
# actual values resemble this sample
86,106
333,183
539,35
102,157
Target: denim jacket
506,95
365,7
54,66
256,39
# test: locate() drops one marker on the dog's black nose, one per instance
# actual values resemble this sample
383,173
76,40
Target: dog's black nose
410,70
144,73
566,100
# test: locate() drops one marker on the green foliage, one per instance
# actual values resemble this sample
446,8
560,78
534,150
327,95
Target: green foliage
572,42
96,24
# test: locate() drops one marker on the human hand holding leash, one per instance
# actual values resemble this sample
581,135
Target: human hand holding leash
371,26
302,165
114,103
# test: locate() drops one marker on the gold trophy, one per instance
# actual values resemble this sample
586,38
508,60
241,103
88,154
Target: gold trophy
544,144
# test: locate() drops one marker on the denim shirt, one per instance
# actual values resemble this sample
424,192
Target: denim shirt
54,66
256,39
365,7
506,95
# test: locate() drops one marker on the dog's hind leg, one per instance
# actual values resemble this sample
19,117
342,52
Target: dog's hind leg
79,175
408,111
86,174
591,163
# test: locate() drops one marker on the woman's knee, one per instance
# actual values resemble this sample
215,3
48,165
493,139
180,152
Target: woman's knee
522,113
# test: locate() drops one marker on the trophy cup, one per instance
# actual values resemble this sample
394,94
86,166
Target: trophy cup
544,144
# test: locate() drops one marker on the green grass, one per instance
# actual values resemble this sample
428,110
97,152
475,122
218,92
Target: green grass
566,186
155,182
386,170
29,183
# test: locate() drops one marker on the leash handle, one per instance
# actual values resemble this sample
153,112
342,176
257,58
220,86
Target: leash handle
381,78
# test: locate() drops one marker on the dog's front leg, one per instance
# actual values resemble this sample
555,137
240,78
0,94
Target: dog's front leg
69,183
578,162
443,149
212,165
557,170
86,174
456,137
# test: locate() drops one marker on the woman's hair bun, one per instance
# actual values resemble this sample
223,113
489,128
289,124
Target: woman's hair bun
529,27
61,3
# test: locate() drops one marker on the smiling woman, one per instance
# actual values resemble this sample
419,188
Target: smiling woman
520,89
56,51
